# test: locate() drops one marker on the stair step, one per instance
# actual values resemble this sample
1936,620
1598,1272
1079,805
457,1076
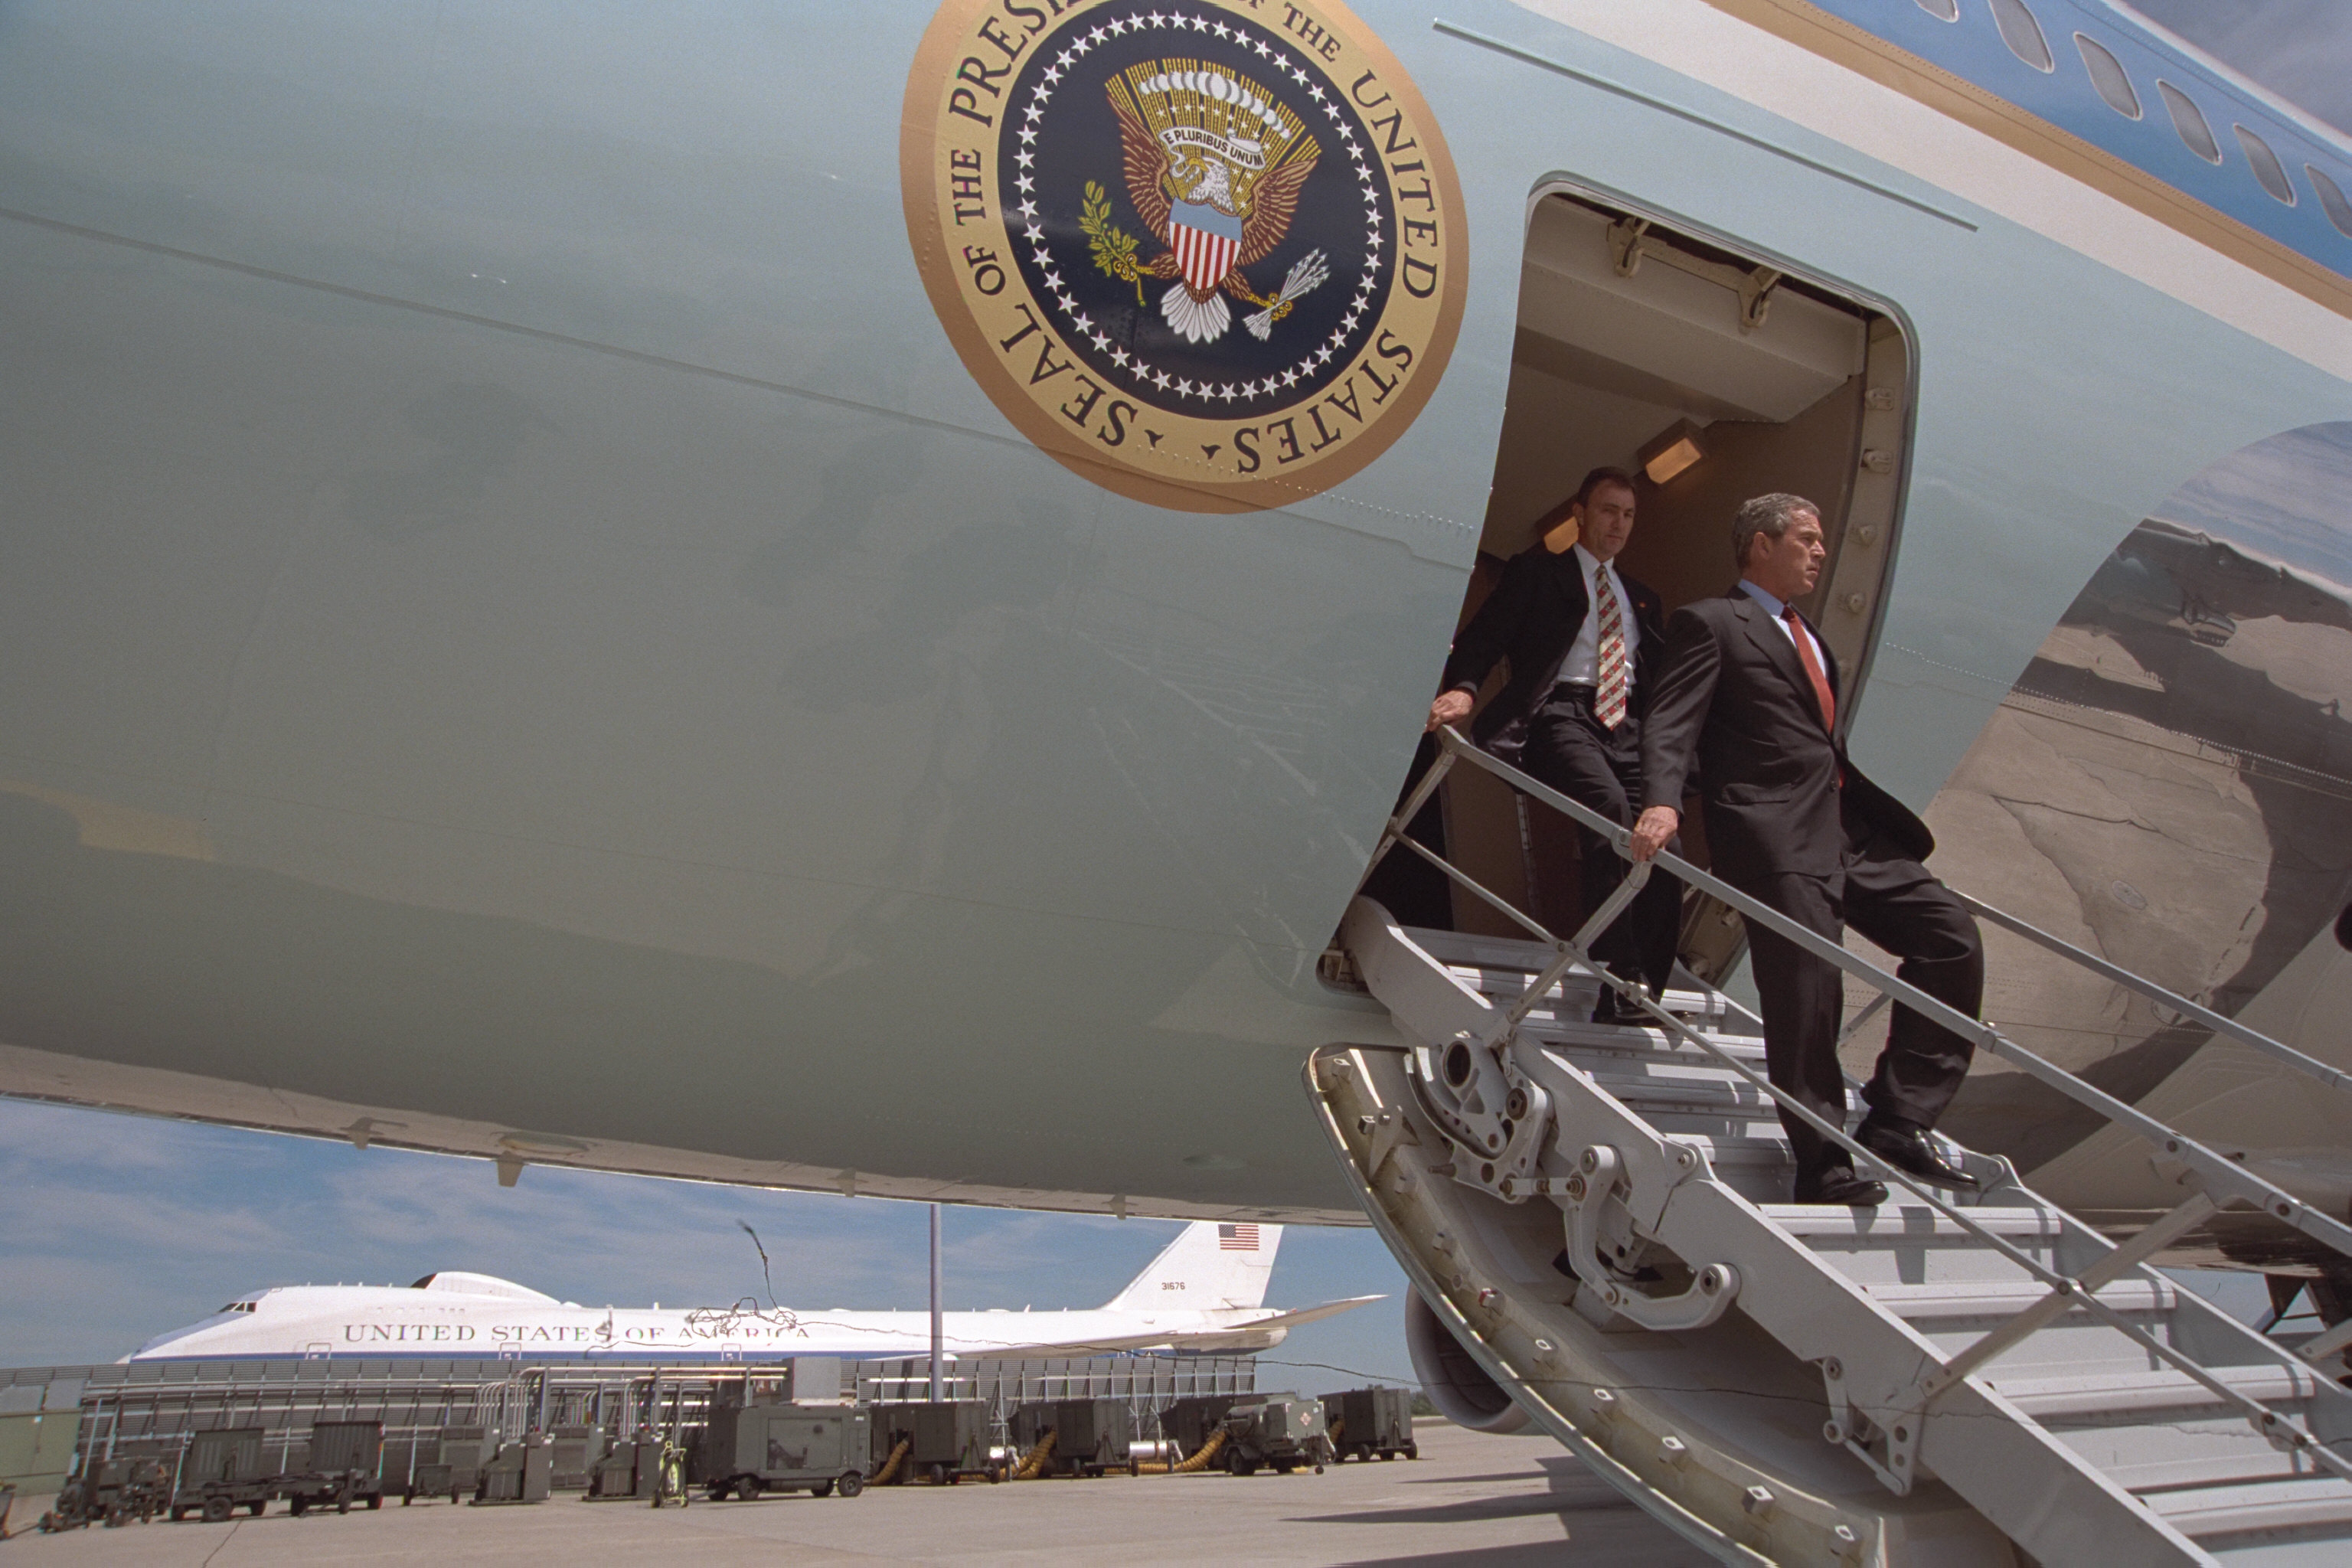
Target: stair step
2209,1513
1997,1298
1630,1039
2092,1397
2244,1461
1908,1225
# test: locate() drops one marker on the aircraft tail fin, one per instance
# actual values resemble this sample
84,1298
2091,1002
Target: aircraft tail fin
1210,1264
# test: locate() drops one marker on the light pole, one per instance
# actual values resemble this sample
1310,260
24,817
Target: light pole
939,1319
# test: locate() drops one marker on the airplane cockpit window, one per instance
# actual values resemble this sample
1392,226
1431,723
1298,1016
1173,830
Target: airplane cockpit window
2297,50
1707,377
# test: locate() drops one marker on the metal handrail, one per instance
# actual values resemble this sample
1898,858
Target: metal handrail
2225,1180
2335,1078
2064,1290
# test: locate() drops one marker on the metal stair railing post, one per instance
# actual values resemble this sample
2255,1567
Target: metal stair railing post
2334,1078
1574,952
2151,1240
2064,1289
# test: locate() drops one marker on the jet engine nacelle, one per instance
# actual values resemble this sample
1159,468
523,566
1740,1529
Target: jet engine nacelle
1455,1382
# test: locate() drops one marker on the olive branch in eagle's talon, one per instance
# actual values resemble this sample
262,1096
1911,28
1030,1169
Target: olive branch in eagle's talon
1114,249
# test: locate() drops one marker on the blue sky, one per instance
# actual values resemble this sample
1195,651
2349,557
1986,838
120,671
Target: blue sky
119,1227
2289,497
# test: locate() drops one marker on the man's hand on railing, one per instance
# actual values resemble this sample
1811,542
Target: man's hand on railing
1451,708
1652,830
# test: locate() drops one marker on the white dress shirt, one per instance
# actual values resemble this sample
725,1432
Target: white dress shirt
1790,629
1582,665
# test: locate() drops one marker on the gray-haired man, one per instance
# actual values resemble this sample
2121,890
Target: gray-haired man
1748,694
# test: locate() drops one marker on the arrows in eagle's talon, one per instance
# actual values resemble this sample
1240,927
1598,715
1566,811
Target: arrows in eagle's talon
1306,274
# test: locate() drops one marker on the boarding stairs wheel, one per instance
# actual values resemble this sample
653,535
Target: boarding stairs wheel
1599,1214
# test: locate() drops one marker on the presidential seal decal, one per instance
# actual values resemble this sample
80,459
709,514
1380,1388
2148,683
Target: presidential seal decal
1207,253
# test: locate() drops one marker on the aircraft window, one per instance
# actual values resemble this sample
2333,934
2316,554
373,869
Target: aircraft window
2107,75
2266,164
2023,33
1942,10
2331,200
2189,120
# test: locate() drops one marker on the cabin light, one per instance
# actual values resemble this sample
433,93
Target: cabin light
1671,450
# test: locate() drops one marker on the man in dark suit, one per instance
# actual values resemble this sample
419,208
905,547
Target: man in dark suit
1748,695
1581,639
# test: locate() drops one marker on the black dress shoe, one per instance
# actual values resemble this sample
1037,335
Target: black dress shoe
1613,1008
1910,1149
1840,1185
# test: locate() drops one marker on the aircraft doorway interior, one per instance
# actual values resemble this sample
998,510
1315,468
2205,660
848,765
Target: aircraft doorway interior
1711,377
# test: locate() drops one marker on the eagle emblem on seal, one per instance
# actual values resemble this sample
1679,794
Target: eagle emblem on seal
1213,166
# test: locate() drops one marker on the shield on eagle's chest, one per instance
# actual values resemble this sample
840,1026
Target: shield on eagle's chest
1204,241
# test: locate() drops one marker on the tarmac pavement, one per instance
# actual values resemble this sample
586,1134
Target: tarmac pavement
1471,1501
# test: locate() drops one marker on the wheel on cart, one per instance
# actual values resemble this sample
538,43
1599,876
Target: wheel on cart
747,1488
1413,1450
217,1509
298,1504
939,1476
255,1505
852,1483
822,1489
375,1499
178,1514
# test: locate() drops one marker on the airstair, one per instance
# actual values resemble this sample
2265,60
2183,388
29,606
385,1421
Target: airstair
1597,1213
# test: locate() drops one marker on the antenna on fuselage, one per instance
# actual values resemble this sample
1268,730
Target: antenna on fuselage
763,1264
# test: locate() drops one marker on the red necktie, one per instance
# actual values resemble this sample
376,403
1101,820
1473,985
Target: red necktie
1812,668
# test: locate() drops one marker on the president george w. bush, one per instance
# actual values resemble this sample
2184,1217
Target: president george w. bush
1747,695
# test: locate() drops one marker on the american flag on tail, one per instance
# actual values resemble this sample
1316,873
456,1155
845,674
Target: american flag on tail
1238,1238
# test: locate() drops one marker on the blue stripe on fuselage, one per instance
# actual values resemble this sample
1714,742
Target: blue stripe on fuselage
1972,49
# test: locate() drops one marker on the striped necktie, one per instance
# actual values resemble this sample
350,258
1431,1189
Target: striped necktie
1609,656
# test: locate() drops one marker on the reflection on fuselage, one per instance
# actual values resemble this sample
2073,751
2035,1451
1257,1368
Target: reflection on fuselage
2169,784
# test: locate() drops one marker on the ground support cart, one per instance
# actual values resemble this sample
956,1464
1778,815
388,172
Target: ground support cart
753,1448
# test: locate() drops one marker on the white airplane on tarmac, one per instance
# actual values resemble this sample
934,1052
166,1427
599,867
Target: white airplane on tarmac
1204,1292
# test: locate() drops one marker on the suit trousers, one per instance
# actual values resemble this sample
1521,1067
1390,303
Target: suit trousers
1898,904
1568,749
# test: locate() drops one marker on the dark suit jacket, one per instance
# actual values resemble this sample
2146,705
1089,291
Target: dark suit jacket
1732,699
1531,618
